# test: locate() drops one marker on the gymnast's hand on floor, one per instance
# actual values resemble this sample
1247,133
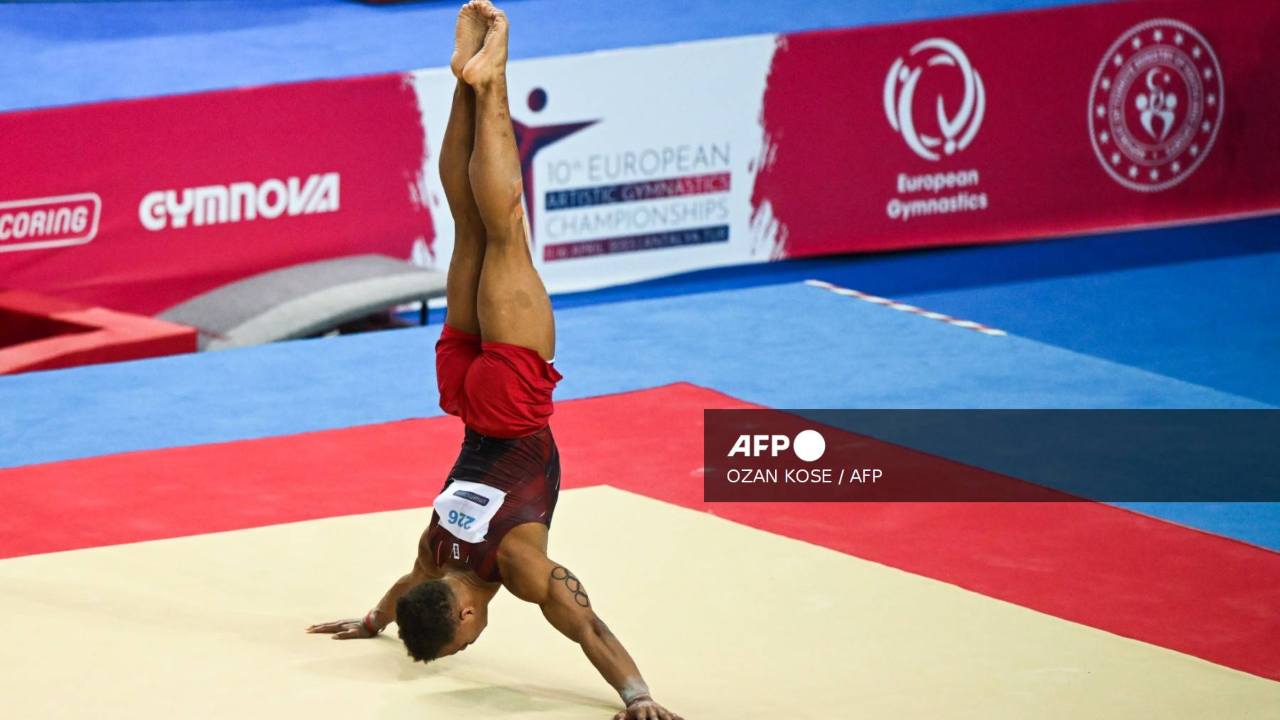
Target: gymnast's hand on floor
645,708
344,629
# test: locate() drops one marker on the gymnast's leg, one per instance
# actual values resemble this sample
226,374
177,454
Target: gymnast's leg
513,306
455,160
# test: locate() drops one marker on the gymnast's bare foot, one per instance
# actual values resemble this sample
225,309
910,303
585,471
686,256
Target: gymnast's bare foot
469,35
490,64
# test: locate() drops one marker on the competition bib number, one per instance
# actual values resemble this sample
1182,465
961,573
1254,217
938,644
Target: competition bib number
466,508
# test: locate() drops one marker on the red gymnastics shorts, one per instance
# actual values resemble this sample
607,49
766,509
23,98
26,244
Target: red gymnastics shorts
498,389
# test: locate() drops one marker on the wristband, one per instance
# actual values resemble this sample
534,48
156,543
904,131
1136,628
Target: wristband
368,626
631,698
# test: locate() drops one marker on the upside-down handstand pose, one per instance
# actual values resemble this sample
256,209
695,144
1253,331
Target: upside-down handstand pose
493,365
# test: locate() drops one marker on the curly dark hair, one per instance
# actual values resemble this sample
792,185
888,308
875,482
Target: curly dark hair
426,619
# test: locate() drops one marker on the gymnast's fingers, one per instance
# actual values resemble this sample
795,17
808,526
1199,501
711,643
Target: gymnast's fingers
353,631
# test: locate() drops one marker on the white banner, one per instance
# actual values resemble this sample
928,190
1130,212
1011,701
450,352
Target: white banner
637,163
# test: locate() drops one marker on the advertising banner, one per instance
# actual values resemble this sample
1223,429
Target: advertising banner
139,205
652,161
637,163
1022,125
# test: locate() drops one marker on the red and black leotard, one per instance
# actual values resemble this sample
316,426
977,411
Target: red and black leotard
502,393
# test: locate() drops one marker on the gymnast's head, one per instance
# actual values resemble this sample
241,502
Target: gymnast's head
439,618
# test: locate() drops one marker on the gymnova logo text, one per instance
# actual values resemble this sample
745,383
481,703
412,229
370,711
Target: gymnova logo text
239,201
1155,105
957,130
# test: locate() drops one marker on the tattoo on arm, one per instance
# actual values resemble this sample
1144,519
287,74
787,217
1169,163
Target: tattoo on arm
572,584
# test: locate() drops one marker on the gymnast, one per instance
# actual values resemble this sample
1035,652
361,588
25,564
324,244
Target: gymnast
494,368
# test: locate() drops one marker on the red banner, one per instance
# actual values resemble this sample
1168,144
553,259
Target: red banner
139,205
1022,125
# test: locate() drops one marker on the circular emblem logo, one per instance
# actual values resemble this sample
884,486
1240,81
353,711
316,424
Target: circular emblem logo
1156,105
954,130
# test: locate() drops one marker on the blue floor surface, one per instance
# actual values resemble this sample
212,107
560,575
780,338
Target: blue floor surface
1213,322
783,346
951,268
65,53
789,346
1192,302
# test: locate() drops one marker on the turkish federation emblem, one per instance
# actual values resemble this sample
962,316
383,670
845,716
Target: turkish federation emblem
1156,105
956,122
